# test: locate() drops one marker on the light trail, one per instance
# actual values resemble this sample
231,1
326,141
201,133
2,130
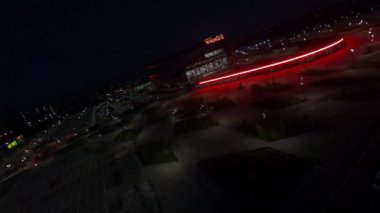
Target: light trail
274,64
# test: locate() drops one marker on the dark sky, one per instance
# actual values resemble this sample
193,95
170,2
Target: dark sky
54,46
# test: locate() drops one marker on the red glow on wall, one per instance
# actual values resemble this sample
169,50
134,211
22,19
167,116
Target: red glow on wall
272,65
152,76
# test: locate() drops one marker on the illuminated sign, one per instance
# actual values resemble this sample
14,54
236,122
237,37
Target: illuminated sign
315,52
215,39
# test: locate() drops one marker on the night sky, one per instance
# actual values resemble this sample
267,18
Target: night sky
49,47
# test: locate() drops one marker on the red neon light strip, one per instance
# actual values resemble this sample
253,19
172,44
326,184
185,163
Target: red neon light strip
274,64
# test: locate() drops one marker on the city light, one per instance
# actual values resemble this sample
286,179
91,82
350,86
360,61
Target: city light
12,144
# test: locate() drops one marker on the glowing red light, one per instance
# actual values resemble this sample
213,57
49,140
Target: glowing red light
274,64
153,76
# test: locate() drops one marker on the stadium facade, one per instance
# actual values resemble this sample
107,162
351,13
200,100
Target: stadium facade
214,62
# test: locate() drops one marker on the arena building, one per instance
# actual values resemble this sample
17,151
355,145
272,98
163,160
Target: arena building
216,62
